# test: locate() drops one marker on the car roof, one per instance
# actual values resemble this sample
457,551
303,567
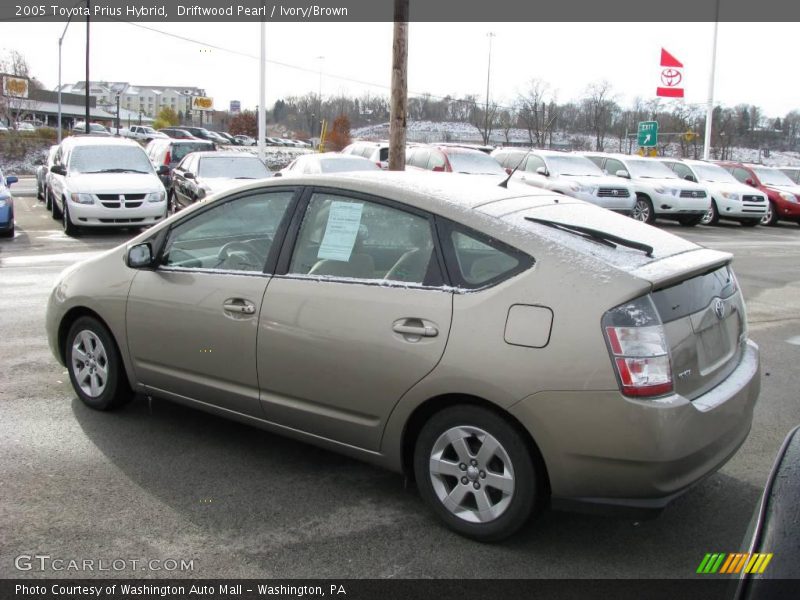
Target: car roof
221,153
88,140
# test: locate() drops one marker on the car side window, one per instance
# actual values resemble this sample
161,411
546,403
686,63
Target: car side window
436,160
682,171
479,261
741,174
533,163
613,165
233,236
345,237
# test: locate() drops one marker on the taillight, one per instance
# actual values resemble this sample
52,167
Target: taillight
638,347
168,158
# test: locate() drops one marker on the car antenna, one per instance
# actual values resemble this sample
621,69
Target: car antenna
504,183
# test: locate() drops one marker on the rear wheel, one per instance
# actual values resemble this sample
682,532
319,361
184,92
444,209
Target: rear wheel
48,203
95,367
643,210
476,472
771,218
691,221
712,216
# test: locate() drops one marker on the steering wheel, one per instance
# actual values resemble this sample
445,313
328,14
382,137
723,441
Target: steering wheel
241,255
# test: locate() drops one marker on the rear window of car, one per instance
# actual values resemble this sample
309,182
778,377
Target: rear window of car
181,150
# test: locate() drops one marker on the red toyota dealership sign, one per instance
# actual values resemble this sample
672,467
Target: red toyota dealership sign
671,76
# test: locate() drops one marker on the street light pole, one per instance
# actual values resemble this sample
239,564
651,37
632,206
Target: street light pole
488,76
319,98
710,108
88,86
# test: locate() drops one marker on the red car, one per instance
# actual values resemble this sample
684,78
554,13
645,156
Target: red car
782,192
452,159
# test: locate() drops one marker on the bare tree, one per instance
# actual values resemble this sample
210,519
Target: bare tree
537,110
484,120
599,108
16,106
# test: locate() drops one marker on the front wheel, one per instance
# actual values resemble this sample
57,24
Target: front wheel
712,216
643,210
95,367
771,218
70,228
476,472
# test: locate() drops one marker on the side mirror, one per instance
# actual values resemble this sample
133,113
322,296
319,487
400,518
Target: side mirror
750,182
58,169
11,179
188,175
162,170
140,256
623,173
543,171
438,169
690,178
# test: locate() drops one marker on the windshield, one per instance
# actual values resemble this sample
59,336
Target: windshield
232,167
572,165
181,150
104,159
772,176
713,173
649,169
341,165
474,163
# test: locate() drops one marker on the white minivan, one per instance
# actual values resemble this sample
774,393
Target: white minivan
105,182
729,198
660,193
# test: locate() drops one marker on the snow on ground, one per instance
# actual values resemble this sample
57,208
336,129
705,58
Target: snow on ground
451,131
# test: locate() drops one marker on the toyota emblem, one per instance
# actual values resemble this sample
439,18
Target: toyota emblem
719,309
615,192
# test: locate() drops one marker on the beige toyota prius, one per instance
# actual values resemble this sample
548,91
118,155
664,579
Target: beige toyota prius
508,349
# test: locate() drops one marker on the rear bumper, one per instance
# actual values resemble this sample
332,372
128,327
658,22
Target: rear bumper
609,451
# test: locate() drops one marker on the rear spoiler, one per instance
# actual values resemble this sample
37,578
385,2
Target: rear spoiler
679,267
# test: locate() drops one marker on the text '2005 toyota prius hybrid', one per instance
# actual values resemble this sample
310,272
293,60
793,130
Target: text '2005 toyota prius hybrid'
502,347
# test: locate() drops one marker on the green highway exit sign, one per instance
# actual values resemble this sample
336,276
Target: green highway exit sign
648,134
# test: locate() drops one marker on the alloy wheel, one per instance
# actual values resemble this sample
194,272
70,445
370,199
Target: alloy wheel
89,363
471,474
641,211
767,218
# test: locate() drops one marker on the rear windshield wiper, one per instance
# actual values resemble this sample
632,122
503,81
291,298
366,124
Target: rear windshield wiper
117,171
602,237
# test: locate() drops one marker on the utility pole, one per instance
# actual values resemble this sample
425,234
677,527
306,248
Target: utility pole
319,102
710,109
399,101
88,85
262,100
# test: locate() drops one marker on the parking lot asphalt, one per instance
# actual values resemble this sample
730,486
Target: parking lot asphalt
157,481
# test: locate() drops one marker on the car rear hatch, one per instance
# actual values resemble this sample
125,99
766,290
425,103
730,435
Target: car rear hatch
692,289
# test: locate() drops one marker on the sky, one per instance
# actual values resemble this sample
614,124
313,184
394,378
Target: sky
444,59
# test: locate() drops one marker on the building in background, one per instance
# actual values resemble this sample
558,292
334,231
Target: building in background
146,100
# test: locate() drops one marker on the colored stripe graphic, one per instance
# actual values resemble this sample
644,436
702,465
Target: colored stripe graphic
734,562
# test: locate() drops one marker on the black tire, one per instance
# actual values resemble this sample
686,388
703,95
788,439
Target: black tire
771,218
55,211
39,192
750,222
643,210
48,201
712,216
521,503
9,233
70,228
116,390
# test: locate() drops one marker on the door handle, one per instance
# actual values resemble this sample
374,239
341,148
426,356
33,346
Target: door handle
421,330
237,305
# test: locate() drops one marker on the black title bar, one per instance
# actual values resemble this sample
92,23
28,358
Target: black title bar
348,11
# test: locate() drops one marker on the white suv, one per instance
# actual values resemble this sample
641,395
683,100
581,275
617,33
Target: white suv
568,174
660,193
729,198
105,182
